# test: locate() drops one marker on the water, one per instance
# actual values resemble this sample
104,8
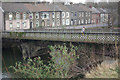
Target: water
9,57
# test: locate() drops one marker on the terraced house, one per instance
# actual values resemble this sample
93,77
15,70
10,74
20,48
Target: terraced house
16,16
45,14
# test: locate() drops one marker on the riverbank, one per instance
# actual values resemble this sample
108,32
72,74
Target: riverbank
105,70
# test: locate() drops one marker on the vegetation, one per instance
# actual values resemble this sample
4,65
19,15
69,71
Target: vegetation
104,71
62,59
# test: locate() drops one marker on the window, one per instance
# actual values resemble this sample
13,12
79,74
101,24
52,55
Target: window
10,16
53,15
58,22
17,15
80,14
82,21
72,14
79,22
75,13
37,15
86,14
11,25
89,14
58,15
63,15
18,24
86,21
53,23
63,21
24,16
31,15
67,14
67,22
48,22
75,22
37,23
45,15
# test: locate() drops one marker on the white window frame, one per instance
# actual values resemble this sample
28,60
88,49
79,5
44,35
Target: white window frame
67,14
24,24
53,22
10,16
17,15
86,21
63,21
79,21
53,14
37,23
86,14
63,14
24,16
37,15
58,22
67,22
58,15
82,21
48,22
43,15
79,14
18,24
82,14
11,25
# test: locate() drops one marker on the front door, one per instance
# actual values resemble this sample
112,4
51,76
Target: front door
31,25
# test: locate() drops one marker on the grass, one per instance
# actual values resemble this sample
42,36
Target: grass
104,71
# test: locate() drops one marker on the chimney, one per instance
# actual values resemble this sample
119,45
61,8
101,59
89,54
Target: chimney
71,3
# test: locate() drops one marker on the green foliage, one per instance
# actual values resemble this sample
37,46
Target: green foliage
58,67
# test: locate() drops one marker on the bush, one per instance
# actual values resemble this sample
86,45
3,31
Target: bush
58,67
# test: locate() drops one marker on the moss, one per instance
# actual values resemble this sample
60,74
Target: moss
17,34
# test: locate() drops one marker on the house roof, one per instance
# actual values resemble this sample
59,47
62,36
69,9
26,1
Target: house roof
94,10
14,7
101,11
53,7
62,7
71,8
84,7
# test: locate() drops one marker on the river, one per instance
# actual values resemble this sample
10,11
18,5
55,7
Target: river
12,55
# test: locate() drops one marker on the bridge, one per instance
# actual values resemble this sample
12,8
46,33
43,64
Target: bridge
106,36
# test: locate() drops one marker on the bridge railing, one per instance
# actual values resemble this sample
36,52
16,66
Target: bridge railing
71,30
65,35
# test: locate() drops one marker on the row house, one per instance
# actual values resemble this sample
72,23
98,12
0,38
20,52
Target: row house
103,15
65,15
80,15
15,16
95,15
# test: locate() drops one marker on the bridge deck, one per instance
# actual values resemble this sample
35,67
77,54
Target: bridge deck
90,36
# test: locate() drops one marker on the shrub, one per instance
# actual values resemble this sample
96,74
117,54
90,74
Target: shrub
58,67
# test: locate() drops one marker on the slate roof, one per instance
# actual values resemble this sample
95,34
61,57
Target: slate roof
63,7
12,7
94,10
72,8
53,7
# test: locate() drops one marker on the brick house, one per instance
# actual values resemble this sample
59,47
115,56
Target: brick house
95,15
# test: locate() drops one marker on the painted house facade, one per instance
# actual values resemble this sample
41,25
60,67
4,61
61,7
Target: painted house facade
65,14
16,16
